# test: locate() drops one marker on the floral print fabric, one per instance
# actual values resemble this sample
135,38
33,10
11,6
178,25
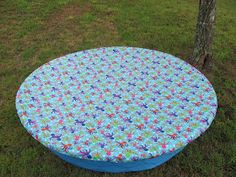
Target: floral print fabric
116,104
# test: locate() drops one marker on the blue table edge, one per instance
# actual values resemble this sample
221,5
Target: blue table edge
118,167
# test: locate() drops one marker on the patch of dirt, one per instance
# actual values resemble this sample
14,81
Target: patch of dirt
228,68
231,68
68,12
107,24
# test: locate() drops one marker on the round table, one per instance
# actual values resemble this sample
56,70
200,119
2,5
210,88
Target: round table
116,109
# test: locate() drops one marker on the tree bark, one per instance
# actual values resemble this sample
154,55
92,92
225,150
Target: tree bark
202,53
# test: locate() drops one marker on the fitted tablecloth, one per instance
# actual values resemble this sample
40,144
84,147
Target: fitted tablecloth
116,104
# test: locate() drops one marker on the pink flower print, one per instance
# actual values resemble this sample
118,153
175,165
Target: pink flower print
90,102
129,135
47,105
163,145
155,121
133,95
26,91
155,111
35,126
121,144
108,126
66,147
37,137
190,112
106,90
31,106
126,111
128,101
172,91
140,126
38,110
70,114
200,97
200,113
82,109
189,129
134,144
179,84
60,122
177,128
186,119
197,104
142,89
189,72
48,83
173,136
46,128
143,155
86,142
108,152
117,108
145,119
165,66
99,122
119,157
67,92
207,89
111,115
151,126
52,118
77,137
160,105
91,130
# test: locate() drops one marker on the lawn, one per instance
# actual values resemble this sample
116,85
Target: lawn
35,32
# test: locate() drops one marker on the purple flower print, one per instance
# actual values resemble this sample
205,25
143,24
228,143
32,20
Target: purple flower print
159,130
155,139
57,137
86,154
30,122
81,122
109,135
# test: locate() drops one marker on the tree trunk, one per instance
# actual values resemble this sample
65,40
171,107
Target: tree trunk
202,53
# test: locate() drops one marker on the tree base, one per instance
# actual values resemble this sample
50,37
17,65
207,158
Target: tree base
203,63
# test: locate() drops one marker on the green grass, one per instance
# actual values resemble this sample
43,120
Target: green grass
34,32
